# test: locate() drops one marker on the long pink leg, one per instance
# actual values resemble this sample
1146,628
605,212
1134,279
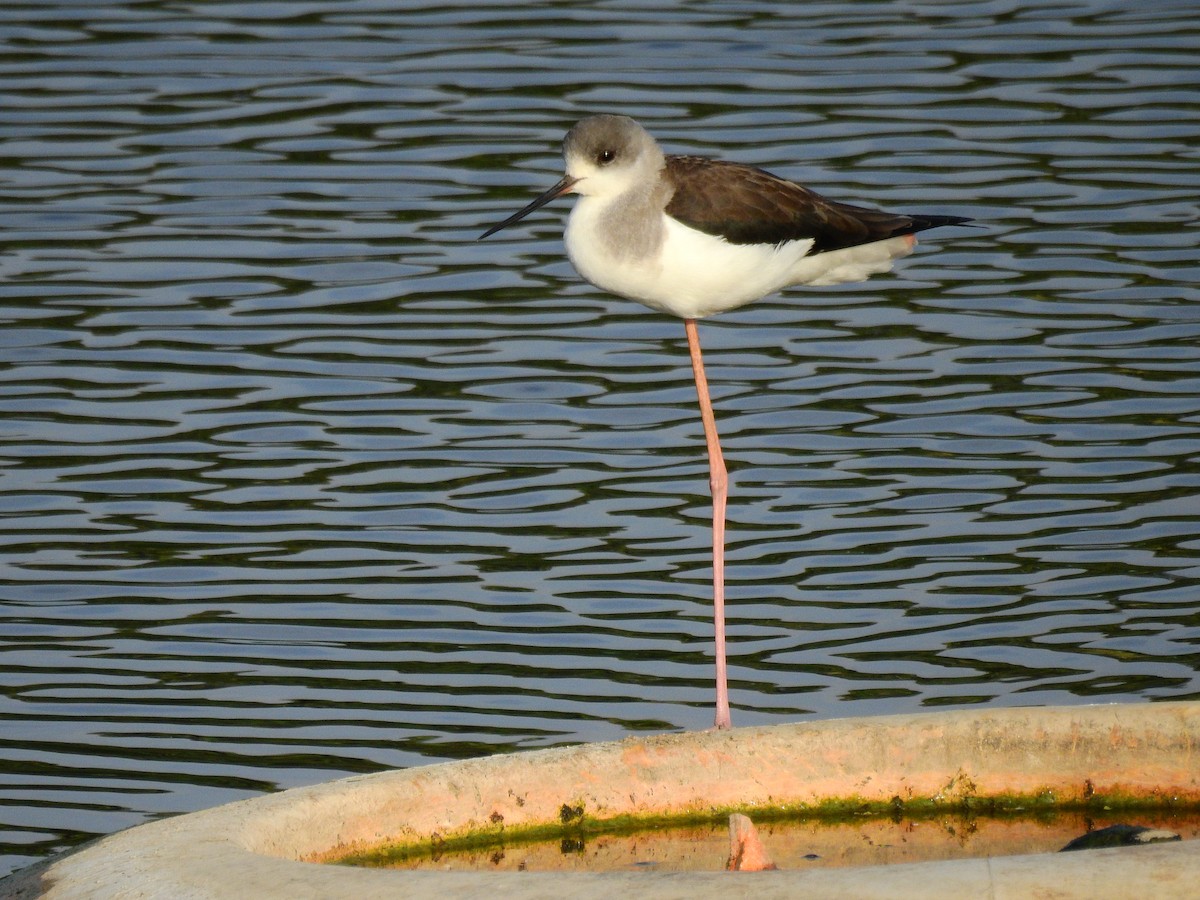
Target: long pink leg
718,480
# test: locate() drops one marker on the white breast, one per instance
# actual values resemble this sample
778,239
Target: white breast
693,274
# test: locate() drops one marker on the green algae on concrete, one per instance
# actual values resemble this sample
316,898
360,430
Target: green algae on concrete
793,844
1041,806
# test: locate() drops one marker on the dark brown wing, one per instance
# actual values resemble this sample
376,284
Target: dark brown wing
745,205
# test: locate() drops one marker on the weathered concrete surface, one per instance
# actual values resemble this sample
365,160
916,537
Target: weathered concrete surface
255,848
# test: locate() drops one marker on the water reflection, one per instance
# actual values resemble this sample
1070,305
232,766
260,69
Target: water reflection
300,480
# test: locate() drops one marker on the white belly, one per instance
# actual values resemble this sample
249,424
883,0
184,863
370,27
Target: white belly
692,274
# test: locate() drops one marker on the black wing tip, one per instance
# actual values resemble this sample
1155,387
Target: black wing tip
923,223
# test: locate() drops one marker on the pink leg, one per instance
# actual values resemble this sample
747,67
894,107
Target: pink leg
718,480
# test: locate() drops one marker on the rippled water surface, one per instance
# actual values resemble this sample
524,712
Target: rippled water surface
300,480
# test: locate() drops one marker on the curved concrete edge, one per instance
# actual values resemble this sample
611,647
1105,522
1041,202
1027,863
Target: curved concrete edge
254,848
1160,871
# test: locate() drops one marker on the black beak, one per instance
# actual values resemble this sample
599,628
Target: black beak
564,185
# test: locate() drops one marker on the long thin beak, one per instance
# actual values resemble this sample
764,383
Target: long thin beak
564,186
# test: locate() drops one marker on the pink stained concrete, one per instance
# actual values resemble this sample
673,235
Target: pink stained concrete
255,848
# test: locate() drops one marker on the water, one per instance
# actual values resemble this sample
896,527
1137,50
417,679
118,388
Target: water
791,844
299,480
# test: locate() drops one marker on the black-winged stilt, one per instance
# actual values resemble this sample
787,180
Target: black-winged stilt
691,237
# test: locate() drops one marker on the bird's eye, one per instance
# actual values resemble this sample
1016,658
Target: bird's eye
604,157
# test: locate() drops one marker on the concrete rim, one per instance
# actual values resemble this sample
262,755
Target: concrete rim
255,848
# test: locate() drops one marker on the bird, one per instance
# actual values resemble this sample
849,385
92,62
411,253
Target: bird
692,236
